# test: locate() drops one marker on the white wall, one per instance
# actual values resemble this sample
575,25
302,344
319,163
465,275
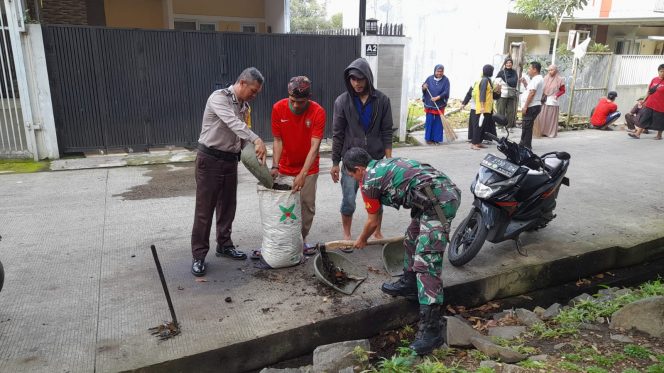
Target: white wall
277,15
619,9
40,93
384,76
463,35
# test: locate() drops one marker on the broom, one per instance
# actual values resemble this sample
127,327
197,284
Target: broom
450,136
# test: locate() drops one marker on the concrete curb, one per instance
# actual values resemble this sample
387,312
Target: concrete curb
178,155
289,344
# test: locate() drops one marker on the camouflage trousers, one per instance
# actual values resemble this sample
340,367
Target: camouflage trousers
426,239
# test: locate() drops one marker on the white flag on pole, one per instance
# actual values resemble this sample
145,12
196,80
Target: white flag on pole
580,50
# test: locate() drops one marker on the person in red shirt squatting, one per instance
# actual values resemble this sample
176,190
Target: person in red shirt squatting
605,113
298,124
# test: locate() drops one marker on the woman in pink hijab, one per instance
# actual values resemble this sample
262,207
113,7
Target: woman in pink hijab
546,123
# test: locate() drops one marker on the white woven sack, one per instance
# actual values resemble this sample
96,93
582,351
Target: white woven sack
282,227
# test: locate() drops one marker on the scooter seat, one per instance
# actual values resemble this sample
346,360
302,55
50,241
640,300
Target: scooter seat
552,165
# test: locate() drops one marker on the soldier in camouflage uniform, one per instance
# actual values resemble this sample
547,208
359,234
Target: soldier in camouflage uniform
433,200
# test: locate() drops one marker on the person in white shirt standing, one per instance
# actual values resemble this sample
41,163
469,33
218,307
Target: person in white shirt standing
533,105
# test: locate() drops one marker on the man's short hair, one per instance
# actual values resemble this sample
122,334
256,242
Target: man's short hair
661,67
536,65
612,95
355,157
251,74
299,87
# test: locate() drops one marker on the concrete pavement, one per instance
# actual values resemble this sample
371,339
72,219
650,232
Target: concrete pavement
81,288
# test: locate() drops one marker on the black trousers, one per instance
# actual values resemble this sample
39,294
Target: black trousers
527,126
487,126
216,193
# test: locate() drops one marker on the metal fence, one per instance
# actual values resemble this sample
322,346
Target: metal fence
383,29
587,86
136,89
13,139
637,70
342,31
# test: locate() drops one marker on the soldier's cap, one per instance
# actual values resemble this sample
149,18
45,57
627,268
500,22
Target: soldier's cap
356,73
299,87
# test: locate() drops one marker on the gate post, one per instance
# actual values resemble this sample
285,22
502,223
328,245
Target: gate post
15,22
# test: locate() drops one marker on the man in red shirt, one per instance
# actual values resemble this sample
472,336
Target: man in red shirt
605,113
298,124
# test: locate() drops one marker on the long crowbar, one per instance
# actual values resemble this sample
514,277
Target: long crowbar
167,329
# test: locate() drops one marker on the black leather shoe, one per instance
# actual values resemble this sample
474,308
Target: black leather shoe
231,252
198,267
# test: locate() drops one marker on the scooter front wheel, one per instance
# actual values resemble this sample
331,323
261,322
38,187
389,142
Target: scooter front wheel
2,276
467,239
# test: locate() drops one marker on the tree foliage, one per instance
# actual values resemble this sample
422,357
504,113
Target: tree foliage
549,11
309,15
337,21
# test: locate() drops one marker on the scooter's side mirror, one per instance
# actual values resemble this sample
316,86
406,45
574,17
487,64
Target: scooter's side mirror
500,119
563,155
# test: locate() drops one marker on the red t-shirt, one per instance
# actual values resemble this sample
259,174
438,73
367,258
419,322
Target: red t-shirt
655,101
602,110
296,132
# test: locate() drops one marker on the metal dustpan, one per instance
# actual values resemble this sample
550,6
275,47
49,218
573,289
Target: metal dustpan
260,171
393,258
356,274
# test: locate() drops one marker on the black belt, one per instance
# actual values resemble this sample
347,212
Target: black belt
220,154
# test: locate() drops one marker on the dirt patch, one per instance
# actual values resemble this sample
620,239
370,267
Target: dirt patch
166,181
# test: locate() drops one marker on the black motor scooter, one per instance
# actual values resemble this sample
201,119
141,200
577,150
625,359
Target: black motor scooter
512,196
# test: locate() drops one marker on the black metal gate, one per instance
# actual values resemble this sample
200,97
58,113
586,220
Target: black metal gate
127,88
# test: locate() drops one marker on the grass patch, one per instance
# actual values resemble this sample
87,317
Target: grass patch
594,369
569,367
592,309
415,112
532,364
657,368
636,351
22,166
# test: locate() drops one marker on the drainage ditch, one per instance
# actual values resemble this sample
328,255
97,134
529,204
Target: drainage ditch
385,344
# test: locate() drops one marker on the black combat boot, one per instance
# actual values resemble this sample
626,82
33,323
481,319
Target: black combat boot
406,286
430,331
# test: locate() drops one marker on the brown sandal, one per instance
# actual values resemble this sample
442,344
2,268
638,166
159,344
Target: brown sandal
633,136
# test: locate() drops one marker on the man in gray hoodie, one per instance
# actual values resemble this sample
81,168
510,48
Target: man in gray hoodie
362,118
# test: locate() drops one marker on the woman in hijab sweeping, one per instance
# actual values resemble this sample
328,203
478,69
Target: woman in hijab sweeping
546,123
435,92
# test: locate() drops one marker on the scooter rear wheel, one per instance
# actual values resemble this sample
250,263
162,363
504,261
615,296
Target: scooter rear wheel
2,276
467,239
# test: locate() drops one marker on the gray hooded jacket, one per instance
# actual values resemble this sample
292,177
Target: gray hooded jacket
348,132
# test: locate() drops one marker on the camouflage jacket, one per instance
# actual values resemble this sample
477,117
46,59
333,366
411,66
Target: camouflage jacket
394,182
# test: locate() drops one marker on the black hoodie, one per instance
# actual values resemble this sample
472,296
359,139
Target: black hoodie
348,132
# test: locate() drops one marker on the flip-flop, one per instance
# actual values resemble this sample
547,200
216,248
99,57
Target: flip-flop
633,136
309,250
255,254
657,138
